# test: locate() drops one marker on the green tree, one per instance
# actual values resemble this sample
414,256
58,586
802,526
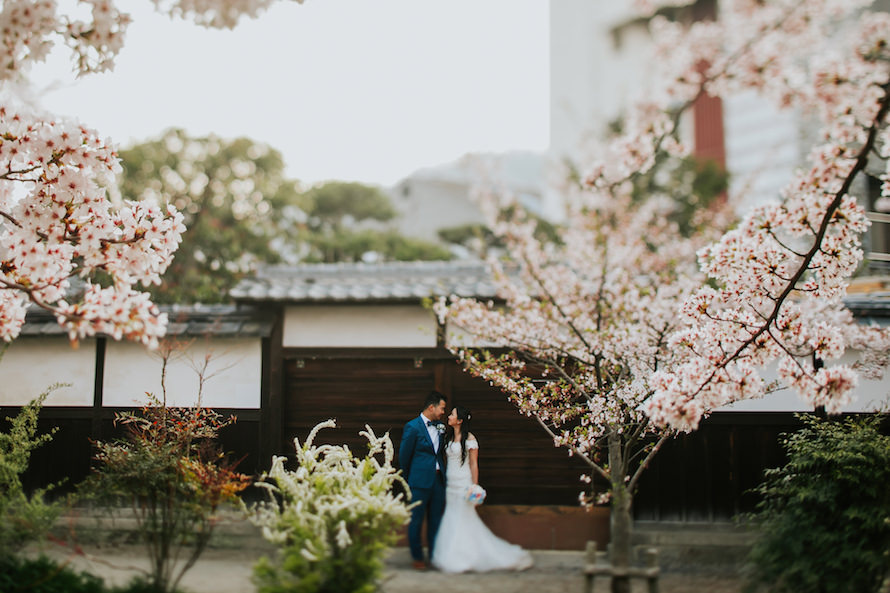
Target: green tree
347,221
356,245
232,193
824,517
170,470
241,210
338,204
478,238
691,183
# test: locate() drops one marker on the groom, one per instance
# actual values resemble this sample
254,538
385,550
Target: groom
422,463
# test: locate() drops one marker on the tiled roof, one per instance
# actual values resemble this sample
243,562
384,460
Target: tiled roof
191,320
362,282
870,307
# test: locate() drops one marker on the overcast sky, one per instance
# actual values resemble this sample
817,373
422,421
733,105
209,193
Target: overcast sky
365,90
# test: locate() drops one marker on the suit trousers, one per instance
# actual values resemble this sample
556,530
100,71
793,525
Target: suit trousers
431,507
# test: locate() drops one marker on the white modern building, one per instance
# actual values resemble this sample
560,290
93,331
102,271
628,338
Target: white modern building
446,195
602,59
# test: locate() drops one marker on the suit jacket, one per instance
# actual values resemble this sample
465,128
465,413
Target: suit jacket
417,457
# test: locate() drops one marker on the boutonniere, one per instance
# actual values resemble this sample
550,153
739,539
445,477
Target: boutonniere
440,427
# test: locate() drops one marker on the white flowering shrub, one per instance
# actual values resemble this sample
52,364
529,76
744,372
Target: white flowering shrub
334,517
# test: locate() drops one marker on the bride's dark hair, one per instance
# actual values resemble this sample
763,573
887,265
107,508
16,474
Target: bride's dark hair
464,415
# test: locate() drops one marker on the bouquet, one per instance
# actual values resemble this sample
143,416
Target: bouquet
475,494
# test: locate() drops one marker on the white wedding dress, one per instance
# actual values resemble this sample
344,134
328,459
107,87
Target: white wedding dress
463,542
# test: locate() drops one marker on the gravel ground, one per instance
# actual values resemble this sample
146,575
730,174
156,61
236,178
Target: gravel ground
229,570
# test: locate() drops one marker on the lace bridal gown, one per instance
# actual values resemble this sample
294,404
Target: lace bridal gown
464,543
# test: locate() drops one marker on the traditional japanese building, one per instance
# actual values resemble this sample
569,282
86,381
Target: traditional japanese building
360,343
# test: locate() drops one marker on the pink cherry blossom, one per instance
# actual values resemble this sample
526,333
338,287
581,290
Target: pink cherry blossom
60,230
793,255
30,28
627,330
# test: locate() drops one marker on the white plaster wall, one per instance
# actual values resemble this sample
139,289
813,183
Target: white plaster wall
30,365
359,326
870,396
232,379
455,336
762,149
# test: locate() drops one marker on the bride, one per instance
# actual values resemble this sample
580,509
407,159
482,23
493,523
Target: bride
463,542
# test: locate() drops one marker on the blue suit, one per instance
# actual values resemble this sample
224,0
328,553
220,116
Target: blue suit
418,459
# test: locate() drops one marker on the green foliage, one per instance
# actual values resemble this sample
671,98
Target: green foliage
351,246
171,473
467,234
343,225
241,211
231,193
825,515
43,575
478,238
334,204
140,585
334,517
23,517
692,184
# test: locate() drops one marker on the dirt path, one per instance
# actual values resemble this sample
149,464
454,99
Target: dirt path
229,571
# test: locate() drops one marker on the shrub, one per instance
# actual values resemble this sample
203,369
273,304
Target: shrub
42,575
171,473
334,517
45,575
825,515
23,517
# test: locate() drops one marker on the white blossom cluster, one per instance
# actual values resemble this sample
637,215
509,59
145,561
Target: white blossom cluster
333,500
30,28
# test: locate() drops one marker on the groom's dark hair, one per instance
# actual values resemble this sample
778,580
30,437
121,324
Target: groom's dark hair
433,399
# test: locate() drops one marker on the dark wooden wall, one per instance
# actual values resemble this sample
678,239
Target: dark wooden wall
518,462
708,475
67,458
703,476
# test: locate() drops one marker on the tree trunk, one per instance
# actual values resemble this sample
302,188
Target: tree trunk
620,524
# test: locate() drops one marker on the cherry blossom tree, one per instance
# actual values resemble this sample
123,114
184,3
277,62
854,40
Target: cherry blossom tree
778,279
65,244
582,324
605,345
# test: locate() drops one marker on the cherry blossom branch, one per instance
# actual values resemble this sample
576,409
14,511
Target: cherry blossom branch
635,478
860,162
531,270
10,174
575,451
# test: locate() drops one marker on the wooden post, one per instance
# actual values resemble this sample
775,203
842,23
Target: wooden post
597,564
651,562
590,575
